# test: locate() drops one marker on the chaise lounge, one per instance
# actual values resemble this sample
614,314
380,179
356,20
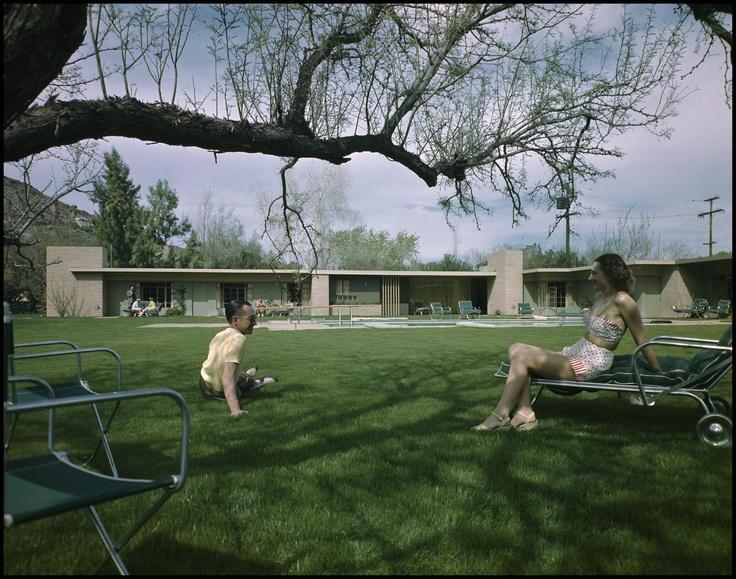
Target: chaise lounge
693,377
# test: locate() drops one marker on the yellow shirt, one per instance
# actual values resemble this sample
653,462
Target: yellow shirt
227,346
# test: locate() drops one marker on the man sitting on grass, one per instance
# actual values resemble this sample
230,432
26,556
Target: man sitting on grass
219,378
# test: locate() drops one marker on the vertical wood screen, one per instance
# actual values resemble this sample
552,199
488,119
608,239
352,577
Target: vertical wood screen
390,295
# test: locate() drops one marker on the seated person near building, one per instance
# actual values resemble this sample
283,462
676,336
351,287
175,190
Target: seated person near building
136,309
220,377
151,306
260,307
289,304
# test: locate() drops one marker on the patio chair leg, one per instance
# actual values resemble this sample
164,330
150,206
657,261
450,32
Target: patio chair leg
105,536
10,431
537,395
103,440
114,549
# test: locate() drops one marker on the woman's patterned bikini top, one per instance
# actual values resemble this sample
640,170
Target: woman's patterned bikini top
602,327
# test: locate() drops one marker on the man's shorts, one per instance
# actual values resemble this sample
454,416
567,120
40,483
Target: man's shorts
244,384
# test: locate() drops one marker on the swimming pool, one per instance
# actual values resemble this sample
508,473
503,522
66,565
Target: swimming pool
389,323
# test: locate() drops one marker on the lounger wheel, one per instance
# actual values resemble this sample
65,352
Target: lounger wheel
714,429
721,405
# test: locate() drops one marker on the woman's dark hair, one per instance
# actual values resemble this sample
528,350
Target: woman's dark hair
616,271
234,308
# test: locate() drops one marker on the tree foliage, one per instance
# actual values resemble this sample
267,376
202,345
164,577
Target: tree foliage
118,220
448,262
362,248
158,225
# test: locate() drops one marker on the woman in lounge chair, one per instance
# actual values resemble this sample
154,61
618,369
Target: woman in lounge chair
613,311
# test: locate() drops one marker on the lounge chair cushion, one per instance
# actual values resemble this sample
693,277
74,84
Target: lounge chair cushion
676,369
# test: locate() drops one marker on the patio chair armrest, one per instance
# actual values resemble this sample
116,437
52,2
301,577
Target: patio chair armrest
46,343
112,397
697,343
35,380
77,352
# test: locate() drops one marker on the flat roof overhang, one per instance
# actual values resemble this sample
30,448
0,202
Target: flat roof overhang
126,272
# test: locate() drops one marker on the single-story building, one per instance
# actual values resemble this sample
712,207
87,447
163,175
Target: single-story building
80,283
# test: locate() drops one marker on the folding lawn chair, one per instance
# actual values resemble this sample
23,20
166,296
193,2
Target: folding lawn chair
78,387
694,377
49,483
467,309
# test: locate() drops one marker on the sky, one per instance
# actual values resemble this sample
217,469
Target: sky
666,179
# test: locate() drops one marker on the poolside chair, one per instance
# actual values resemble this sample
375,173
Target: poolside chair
438,310
49,483
75,387
467,309
694,377
524,309
722,309
697,310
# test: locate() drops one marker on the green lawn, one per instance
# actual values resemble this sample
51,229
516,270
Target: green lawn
361,461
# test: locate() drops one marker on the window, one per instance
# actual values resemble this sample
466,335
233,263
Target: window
342,292
233,291
557,294
160,291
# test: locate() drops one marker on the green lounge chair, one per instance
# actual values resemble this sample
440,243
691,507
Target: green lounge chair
524,309
438,310
76,386
697,310
49,483
693,377
467,309
722,309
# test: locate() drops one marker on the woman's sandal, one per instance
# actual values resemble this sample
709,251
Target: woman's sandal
530,421
503,423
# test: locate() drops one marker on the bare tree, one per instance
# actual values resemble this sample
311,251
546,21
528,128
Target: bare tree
66,299
80,165
319,197
628,238
472,96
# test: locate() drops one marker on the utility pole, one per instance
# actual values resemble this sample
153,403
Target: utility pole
710,227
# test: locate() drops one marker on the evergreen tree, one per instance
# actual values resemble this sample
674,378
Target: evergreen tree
159,224
118,222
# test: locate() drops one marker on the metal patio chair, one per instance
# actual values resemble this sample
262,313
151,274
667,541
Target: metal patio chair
74,387
697,310
49,483
437,309
467,309
524,309
722,309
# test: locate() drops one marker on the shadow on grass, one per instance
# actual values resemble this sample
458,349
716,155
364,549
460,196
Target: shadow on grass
160,554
